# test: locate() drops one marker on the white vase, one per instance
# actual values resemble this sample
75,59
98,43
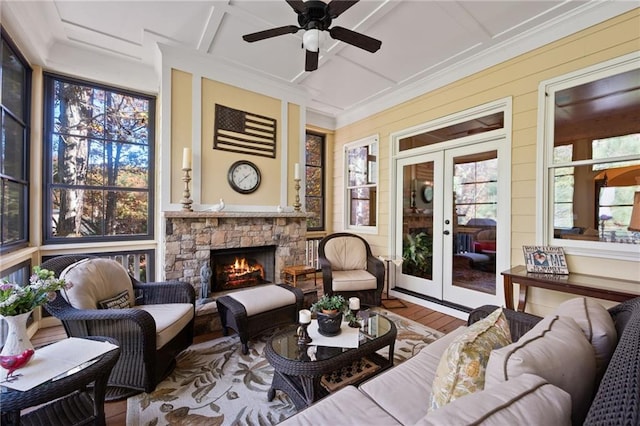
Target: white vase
17,340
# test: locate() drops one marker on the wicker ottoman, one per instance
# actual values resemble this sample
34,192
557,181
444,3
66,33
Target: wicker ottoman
252,311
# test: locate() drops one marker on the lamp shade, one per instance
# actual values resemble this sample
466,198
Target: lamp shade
311,40
634,223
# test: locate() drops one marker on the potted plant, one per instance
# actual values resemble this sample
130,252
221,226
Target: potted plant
329,310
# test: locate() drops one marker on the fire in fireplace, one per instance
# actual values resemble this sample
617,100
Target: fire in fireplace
243,267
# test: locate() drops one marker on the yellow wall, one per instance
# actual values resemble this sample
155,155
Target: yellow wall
518,78
214,164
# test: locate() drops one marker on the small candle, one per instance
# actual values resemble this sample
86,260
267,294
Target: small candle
354,303
296,171
304,316
186,158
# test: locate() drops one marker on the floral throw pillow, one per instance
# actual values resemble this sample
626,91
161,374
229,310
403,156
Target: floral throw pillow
461,369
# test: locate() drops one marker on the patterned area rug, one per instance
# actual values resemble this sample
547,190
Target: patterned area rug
215,384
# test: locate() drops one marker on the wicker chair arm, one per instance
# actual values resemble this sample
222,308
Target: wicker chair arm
164,292
327,275
376,268
519,322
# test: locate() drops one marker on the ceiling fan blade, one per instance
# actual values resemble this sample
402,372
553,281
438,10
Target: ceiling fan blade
297,5
311,61
336,7
356,39
273,32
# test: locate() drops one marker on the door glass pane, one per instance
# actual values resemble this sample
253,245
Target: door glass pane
475,184
417,220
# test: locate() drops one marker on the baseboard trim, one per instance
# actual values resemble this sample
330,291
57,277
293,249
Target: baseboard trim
443,306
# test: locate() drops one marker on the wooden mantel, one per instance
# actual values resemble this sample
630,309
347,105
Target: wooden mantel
231,214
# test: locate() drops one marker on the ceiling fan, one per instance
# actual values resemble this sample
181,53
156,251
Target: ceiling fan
315,16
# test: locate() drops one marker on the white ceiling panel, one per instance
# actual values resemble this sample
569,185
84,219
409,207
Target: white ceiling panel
420,39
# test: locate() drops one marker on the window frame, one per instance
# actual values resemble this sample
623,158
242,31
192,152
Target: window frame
545,212
370,229
25,122
49,81
322,167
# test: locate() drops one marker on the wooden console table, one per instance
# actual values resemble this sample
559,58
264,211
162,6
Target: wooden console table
581,284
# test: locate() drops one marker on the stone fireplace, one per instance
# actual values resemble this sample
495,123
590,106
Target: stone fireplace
192,237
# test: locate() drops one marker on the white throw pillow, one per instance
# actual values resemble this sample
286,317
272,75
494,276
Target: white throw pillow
95,280
556,350
597,325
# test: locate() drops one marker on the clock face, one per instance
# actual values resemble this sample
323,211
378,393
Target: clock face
244,177
427,193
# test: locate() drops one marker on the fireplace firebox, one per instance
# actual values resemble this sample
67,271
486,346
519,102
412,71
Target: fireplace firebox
242,267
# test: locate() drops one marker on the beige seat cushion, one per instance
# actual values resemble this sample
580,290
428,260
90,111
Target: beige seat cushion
404,390
597,325
461,369
353,280
170,319
262,299
346,407
523,400
95,280
556,350
346,254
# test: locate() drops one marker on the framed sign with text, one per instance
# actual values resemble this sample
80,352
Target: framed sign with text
545,259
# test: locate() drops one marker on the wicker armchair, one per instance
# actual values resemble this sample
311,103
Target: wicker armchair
142,365
350,269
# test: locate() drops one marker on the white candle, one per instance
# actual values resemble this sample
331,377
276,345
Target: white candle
304,316
296,171
354,303
186,158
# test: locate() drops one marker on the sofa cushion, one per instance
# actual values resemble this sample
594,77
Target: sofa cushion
348,406
346,253
170,319
353,280
556,350
95,280
461,368
524,400
410,382
597,325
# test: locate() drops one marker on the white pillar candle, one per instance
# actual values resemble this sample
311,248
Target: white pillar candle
304,316
296,171
354,303
186,158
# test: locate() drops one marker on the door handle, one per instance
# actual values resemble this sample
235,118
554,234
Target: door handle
446,232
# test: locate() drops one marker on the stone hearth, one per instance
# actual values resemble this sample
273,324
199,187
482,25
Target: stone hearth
190,237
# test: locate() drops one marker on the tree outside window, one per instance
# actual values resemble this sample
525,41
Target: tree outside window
99,148
362,183
314,174
15,104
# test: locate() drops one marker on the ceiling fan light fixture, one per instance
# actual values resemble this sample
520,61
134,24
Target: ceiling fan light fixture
311,40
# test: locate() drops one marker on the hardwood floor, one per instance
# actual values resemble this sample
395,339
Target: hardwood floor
116,412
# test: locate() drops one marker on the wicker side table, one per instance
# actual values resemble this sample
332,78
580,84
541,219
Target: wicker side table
74,402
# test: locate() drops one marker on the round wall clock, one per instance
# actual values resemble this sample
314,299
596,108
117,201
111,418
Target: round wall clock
427,193
244,177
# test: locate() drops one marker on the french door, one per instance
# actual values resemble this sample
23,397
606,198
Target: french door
450,229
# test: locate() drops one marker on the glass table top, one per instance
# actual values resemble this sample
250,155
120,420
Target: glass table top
372,327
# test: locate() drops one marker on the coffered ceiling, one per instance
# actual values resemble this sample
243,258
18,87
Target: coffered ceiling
425,44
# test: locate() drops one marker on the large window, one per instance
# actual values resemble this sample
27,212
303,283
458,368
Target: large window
15,104
593,162
362,184
314,173
99,147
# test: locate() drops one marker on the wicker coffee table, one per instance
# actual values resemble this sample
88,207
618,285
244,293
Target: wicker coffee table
300,377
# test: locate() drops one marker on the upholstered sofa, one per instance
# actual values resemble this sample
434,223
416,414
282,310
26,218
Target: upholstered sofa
596,382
